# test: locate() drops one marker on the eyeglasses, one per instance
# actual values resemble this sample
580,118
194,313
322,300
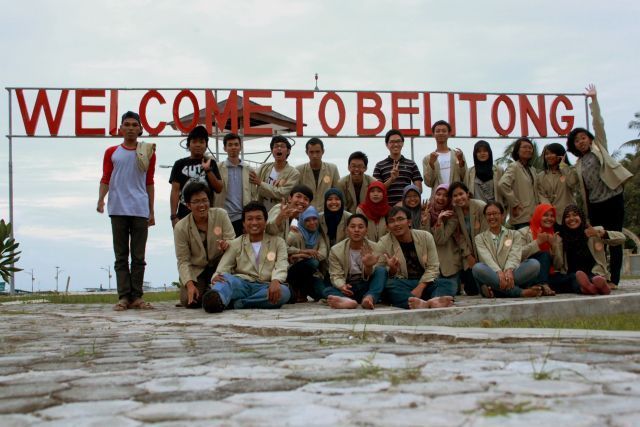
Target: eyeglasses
395,141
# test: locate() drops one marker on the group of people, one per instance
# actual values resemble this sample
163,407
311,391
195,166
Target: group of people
280,234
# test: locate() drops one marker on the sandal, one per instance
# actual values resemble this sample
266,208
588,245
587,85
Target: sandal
140,304
547,291
122,305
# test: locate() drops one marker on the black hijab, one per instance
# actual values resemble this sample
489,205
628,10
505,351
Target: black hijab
484,170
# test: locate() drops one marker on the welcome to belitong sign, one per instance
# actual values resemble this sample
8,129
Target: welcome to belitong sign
167,112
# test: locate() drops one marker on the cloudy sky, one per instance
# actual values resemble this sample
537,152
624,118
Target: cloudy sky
490,46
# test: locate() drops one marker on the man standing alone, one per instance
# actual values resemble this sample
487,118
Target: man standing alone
128,178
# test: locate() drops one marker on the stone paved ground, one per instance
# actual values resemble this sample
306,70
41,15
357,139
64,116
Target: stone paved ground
85,365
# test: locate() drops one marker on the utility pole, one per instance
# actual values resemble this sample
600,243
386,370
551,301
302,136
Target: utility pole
33,279
108,270
58,271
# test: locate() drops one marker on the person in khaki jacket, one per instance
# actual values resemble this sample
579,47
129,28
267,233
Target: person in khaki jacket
317,175
582,251
558,181
469,214
499,270
252,271
355,270
518,184
237,190
200,240
412,260
601,179
444,165
282,215
483,177
276,179
354,186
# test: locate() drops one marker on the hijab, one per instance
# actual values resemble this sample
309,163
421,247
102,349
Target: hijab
310,237
375,211
484,170
434,208
535,225
416,212
575,242
333,218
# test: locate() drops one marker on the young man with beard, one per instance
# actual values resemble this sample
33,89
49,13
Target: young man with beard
354,186
200,240
412,259
252,271
195,168
317,175
276,179
127,175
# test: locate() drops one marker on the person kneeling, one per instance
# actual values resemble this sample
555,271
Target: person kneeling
412,259
253,269
353,271
500,272
200,240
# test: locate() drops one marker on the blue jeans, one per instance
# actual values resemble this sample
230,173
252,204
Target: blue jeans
241,293
544,258
361,288
399,290
524,276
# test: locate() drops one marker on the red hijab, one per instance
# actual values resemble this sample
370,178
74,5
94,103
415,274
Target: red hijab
375,211
535,225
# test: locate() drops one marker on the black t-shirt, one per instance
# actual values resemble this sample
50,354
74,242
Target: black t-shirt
415,270
190,170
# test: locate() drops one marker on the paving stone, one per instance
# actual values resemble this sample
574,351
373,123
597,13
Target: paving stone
346,387
184,411
545,388
361,359
85,409
124,378
623,389
30,389
24,405
292,415
252,386
599,405
539,418
275,398
89,393
442,388
90,421
629,420
17,420
413,417
179,384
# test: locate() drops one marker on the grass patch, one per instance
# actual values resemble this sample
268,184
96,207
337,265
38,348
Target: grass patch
500,409
609,322
97,298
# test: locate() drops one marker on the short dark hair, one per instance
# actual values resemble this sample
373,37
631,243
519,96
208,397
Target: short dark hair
195,187
359,155
198,132
230,137
252,207
515,153
556,149
357,215
440,123
131,115
279,138
301,188
454,186
392,132
314,141
571,140
496,204
396,209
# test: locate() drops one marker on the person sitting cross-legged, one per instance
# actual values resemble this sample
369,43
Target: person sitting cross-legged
252,271
200,240
353,269
412,259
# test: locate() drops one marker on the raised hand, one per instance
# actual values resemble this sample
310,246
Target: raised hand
433,157
254,178
206,164
369,259
592,232
590,91
459,156
395,170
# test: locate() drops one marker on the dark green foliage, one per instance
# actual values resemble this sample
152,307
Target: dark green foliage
8,254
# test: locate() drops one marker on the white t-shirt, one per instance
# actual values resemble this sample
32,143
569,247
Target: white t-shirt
444,159
256,250
273,177
355,267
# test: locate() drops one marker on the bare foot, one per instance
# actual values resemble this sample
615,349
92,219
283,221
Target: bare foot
586,287
440,302
601,285
547,291
341,302
486,291
532,292
367,303
416,303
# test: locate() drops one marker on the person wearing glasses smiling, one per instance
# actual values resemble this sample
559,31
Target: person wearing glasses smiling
200,240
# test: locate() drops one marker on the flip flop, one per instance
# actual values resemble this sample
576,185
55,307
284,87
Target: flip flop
140,304
122,305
